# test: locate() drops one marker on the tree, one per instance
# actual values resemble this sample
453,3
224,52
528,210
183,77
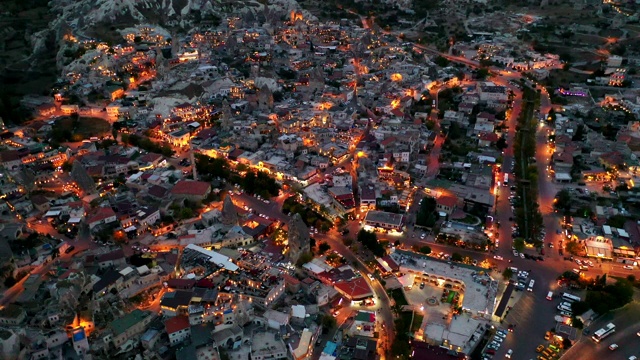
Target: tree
577,323
323,248
456,257
328,322
501,144
579,307
426,214
573,247
9,281
425,250
370,241
563,200
304,258
441,61
507,274
518,244
482,73
347,241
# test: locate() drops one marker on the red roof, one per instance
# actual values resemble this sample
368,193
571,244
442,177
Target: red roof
101,214
176,324
187,187
448,201
290,279
388,141
355,289
489,136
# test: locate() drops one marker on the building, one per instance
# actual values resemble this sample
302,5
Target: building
384,220
489,91
191,190
128,327
354,289
101,216
599,247
266,345
298,238
180,137
178,329
446,204
12,315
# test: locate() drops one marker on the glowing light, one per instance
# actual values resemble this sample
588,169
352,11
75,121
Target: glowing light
396,77
395,103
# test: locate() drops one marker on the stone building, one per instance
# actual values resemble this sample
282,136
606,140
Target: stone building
299,242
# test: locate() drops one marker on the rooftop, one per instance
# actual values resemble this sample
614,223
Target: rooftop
189,187
120,325
384,217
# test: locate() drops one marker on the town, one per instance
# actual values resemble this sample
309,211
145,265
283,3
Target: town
275,185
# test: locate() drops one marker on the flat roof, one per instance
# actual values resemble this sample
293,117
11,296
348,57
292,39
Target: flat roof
384,217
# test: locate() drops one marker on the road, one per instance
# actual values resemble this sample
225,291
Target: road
334,239
626,321
81,244
533,314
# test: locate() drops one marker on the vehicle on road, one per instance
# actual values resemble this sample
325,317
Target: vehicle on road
600,334
70,249
531,283
633,357
423,236
508,354
550,295
498,257
628,267
613,346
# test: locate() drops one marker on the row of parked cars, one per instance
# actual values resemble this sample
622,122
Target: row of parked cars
495,344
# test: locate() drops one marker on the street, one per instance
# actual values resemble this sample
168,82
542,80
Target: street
626,321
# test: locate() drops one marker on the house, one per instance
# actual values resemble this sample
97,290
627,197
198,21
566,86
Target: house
446,204
178,329
111,259
102,215
46,109
114,92
128,327
180,137
191,190
12,315
383,219
10,159
487,139
354,289
150,159
69,109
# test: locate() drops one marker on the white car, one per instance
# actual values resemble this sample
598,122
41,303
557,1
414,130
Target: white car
633,357
508,354
613,346
515,253
522,255
498,257
423,236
